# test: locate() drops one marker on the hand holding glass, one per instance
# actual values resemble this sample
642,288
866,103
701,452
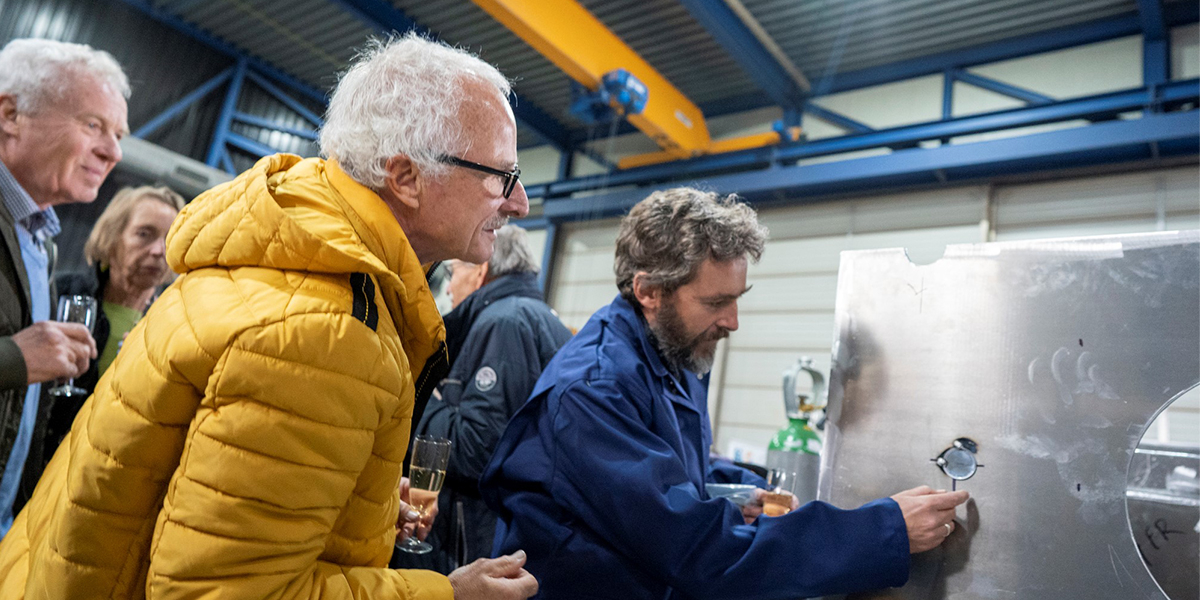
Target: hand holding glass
426,474
779,501
75,309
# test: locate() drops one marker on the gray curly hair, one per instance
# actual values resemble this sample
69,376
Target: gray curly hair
670,233
512,253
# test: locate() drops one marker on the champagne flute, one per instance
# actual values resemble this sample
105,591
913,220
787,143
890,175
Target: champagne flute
74,309
425,475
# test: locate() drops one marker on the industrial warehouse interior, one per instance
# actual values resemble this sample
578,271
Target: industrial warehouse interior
964,254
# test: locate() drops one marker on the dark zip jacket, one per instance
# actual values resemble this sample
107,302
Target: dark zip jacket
500,338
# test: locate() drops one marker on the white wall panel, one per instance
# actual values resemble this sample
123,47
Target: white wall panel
1124,203
539,164
1073,72
537,243
1185,52
583,279
877,106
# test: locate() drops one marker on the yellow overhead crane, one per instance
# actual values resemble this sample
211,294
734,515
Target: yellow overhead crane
579,44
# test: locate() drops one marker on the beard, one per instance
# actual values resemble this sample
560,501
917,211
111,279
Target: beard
680,349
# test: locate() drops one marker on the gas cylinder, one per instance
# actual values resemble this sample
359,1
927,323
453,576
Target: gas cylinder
796,449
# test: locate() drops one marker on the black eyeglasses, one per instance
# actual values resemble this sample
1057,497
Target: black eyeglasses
509,177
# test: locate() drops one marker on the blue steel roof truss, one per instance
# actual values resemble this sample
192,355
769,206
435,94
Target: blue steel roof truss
1147,137
1153,19
1152,136
776,165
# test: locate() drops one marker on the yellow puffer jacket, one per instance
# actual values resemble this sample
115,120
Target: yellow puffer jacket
247,441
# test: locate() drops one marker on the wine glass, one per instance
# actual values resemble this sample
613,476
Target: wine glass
778,501
74,309
425,475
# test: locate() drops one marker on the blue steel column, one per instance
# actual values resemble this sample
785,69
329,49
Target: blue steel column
1156,47
548,258
221,134
566,163
948,94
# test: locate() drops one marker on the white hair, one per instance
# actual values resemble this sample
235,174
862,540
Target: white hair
402,96
40,72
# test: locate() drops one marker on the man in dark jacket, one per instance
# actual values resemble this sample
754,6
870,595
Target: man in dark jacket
500,336
602,475
62,115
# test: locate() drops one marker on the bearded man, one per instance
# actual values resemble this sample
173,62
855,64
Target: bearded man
601,475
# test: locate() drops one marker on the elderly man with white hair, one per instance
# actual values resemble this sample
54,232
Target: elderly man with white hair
247,442
62,114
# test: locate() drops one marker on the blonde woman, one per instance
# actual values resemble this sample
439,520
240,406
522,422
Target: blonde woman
126,249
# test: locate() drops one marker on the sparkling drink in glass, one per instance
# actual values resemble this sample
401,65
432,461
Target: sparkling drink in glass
425,475
74,309
778,501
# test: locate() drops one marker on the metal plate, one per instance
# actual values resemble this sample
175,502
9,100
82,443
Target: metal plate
1053,356
1164,509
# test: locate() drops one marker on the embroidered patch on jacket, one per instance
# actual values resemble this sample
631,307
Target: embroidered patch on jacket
363,289
485,379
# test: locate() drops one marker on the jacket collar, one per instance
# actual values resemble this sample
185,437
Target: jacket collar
628,319
460,320
628,322
379,231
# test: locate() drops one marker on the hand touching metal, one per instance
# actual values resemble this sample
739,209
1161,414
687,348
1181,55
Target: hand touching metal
928,515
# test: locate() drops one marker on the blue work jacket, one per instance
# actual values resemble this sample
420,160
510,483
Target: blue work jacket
600,478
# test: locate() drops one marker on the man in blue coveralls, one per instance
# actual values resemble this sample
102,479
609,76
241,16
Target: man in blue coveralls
601,476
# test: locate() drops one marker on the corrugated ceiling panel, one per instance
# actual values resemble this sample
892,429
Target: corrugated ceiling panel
310,39
848,35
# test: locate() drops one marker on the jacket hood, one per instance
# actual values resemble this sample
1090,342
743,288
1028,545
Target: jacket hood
296,214
275,215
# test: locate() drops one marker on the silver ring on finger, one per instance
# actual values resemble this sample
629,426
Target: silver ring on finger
949,529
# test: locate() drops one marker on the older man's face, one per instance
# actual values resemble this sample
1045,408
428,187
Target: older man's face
462,211
63,152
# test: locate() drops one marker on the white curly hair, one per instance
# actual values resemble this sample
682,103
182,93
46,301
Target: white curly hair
402,96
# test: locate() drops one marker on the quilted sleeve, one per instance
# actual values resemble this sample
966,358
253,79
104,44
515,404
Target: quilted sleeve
286,487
